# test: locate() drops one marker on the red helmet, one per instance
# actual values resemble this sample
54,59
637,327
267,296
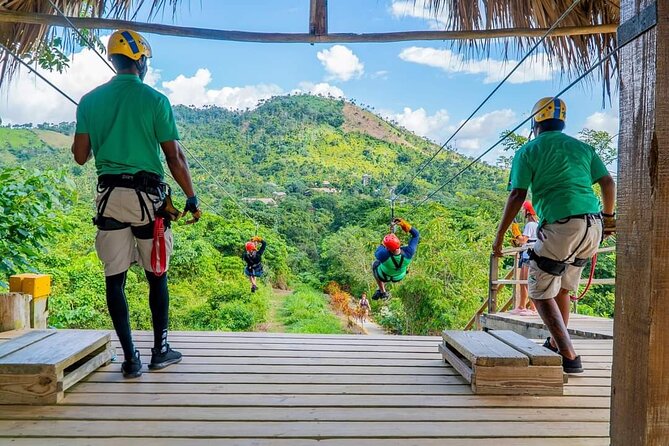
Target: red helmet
250,247
529,208
391,242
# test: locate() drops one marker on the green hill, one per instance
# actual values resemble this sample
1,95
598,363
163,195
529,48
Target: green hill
309,155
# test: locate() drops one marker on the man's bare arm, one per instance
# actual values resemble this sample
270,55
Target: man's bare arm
513,205
178,164
81,148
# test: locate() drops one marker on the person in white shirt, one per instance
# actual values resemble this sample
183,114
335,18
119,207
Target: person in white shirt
526,240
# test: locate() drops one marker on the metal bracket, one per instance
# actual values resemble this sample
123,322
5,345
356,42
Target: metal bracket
638,24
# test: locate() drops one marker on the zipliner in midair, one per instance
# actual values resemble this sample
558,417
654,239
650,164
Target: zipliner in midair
392,259
253,259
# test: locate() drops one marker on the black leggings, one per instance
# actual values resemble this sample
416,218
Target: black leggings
118,310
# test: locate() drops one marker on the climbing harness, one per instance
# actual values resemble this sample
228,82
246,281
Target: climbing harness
593,264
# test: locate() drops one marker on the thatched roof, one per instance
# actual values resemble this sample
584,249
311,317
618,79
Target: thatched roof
573,54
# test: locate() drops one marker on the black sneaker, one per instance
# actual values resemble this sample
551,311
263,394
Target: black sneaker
161,360
253,288
572,365
548,345
132,368
385,296
378,295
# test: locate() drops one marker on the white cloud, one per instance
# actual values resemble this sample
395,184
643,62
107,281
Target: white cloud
381,74
193,91
340,63
476,134
320,89
607,121
418,121
418,9
533,69
29,99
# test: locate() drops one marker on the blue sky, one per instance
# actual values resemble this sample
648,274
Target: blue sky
426,86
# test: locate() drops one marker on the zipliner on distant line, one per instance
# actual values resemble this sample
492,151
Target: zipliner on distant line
253,259
393,260
124,124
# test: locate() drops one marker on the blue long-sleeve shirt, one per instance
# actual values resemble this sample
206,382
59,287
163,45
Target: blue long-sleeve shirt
382,254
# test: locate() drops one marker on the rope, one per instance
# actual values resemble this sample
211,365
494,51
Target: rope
490,95
36,73
88,43
560,93
593,264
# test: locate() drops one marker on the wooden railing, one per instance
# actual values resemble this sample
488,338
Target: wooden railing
495,284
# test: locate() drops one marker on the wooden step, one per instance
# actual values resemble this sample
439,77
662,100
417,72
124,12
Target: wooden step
503,363
37,367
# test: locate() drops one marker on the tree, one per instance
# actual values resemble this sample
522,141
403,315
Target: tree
602,142
512,143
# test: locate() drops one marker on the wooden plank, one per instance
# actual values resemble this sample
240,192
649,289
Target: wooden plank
482,349
24,340
428,348
360,341
101,358
503,380
281,378
458,388
325,429
8,16
604,281
37,386
60,350
301,414
304,353
458,364
145,399
538,354
511,441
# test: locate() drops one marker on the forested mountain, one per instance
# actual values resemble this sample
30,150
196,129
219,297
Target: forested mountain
295,165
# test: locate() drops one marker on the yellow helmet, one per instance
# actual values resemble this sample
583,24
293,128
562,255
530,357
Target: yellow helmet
128,43
549,108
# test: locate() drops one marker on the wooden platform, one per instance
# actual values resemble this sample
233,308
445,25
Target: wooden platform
580,326
308,390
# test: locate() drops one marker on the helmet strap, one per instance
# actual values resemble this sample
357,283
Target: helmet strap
142,67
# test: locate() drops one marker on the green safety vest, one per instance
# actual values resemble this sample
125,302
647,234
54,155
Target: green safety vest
395,268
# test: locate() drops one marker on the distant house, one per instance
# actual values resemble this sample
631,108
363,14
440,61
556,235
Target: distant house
266,201
279,195
324,190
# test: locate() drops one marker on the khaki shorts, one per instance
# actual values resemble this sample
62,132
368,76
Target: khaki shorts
120,248
557,241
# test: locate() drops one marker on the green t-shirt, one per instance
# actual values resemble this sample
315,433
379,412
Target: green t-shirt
560,171
126,120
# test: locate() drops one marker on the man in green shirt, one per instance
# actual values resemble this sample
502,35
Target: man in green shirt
125,124
560,170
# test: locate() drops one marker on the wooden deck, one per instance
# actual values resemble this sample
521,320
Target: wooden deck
532,326
306,390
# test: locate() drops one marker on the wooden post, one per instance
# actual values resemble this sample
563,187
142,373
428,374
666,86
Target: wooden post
493,274
318,17
14,311
640,377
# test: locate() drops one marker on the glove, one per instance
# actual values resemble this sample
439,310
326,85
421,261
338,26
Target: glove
608,224
193,206
406,227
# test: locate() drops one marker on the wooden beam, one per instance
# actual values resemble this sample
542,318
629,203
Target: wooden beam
318,18
640,377
244,36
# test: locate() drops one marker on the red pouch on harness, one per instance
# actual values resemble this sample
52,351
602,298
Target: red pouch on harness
159,248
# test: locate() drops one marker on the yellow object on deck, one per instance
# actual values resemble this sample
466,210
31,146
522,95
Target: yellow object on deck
515,230
37,285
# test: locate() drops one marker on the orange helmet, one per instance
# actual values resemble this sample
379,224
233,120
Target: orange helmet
391,242
250,247
527,206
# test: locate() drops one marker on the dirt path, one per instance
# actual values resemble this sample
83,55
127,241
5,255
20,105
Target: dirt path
372,328
274,324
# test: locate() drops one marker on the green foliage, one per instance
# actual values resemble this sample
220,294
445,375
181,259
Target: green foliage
307,311
602,142
30,202
511,144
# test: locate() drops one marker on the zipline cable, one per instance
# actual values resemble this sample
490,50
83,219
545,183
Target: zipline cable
490,95
25,64
560,93
80,34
